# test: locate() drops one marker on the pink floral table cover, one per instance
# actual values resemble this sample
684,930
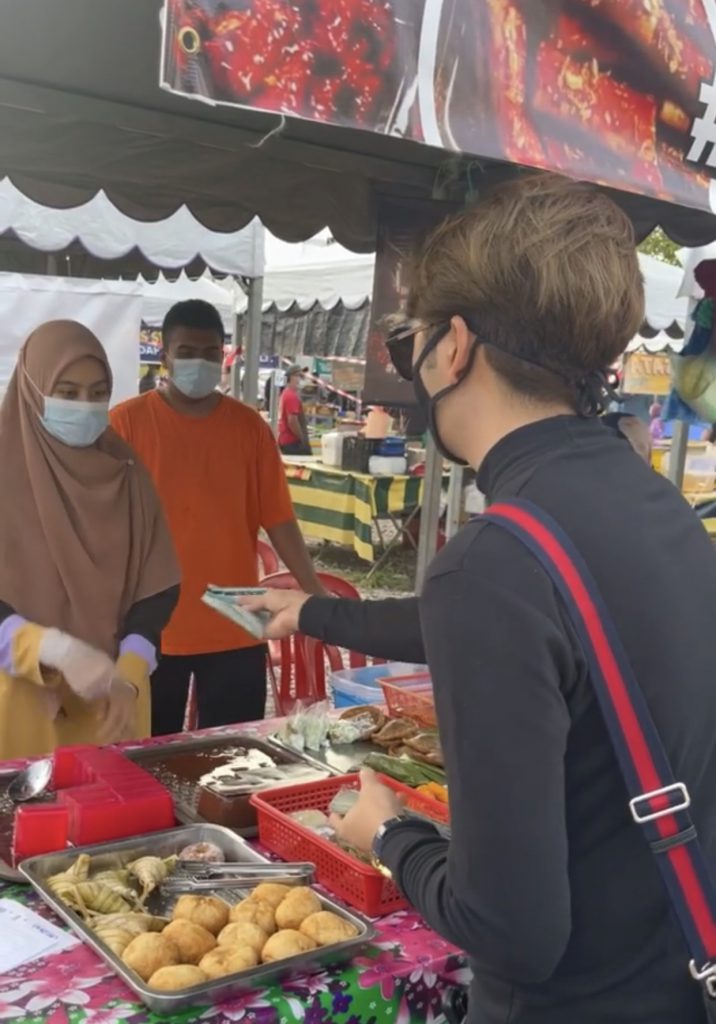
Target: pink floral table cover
401,979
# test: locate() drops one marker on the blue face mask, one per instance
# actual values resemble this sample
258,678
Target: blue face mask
77,424
196,378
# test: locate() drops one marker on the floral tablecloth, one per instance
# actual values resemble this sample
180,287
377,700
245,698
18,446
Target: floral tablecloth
400,979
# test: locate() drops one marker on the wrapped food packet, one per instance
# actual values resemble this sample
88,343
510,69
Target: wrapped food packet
306,728
344,801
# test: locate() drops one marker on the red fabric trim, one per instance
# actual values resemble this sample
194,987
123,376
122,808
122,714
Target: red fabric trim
634,738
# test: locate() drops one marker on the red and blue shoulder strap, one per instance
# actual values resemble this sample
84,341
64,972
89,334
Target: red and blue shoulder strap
658,802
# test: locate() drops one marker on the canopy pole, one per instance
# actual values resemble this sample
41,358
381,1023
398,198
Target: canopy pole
274,402
677,455
252,349
429,512
454,502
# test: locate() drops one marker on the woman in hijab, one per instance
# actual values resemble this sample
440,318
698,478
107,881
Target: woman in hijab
88,575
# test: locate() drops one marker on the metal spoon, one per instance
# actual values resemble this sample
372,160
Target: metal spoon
31,782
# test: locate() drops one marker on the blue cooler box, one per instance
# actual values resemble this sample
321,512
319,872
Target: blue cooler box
354,687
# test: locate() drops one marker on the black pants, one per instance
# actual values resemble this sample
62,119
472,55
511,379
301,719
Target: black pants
230,687
296,448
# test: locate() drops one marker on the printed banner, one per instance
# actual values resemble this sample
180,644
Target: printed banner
646,374
621,92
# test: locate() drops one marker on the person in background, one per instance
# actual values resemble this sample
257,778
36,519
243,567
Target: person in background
88,575
220,478
520,304
292,428
632,429
656,424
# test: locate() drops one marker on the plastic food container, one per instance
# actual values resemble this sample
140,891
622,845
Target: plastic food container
359,884
354,687
387,465
332,448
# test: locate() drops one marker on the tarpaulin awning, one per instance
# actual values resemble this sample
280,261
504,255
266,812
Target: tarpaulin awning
593,88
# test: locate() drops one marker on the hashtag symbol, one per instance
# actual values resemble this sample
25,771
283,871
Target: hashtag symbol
703,130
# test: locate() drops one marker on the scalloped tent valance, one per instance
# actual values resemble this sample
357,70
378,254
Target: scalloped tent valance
108,235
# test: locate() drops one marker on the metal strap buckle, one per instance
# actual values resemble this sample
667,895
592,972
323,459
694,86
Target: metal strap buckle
706,975
642,817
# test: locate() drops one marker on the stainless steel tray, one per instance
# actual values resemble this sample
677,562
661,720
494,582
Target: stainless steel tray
185,790
335,758
107,856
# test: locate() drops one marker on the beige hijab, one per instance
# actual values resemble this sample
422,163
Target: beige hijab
82,534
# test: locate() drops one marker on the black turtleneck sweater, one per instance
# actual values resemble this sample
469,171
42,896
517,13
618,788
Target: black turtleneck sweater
546,883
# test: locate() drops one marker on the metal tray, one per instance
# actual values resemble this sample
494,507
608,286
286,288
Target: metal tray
107,856
184,788
335,758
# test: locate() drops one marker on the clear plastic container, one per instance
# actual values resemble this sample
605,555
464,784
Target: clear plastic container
354,687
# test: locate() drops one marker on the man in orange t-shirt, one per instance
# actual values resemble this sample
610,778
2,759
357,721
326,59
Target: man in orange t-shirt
218,472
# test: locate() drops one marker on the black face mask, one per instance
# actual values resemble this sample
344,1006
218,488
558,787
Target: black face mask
428,403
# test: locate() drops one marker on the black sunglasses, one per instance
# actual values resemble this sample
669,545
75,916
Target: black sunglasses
401,346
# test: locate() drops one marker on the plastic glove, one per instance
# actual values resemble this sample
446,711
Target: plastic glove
119,714
87,671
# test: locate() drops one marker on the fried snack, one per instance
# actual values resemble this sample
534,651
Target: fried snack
226,960
285,944
209,912
174,979
146,954
297,906
257,912
328,929
272,892
242,934
192,941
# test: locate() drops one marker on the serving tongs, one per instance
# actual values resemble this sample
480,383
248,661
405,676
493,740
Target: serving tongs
198,876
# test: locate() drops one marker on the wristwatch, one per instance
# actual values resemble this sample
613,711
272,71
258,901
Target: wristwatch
377,845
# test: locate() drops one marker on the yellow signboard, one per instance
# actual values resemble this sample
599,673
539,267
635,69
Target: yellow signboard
647,374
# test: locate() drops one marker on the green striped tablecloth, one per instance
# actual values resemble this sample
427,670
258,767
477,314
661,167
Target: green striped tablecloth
340,507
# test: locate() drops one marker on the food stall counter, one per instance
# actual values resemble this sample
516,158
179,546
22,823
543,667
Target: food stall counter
406,974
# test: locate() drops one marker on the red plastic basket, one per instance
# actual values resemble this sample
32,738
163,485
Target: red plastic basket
411,697
359,884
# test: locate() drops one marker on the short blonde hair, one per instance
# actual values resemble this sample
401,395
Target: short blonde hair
546,270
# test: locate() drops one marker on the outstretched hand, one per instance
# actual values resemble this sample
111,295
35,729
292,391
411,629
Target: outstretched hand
284,606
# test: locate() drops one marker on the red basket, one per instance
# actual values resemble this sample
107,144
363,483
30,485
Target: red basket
411,697
359,884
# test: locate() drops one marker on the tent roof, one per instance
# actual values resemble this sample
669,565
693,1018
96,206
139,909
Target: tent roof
81,109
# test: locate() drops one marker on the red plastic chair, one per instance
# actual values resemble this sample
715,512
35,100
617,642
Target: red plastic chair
267,558
300,661
268,564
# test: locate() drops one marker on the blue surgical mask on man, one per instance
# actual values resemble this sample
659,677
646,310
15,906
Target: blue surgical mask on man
196,378
77,424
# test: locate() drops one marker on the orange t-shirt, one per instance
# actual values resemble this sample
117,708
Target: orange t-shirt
220,479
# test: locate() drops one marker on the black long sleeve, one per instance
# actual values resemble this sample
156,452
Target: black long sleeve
388,629
500,889
148,617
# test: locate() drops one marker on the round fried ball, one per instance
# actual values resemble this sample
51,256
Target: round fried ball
257,912
192,941
285,944
327,929
271,892
298,905
146,954
207,911
226,960
243,933
174,979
